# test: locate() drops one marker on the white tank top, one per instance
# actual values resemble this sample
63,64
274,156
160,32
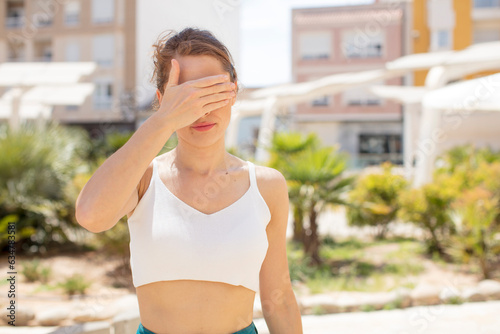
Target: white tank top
170,240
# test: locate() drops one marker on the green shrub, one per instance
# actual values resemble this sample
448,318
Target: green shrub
75,284
318,310
474,214
37,168
34,272
367,308
374,200
426,207
398,303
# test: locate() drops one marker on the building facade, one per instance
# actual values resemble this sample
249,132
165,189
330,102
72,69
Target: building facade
101,31
441,25
334,40
117,35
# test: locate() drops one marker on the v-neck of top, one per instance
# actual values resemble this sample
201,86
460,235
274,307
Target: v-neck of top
156,175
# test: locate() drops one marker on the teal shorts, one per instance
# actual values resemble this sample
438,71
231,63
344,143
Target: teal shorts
250,329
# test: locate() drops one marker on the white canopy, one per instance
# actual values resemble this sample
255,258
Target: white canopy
32,74
59,95
482,94
290,94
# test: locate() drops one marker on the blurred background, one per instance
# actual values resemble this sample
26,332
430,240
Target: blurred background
382,115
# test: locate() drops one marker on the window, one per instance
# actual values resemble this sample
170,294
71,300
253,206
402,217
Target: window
72,13
376,148
486,3
15,51
441,39
72,51
316,45
323,101
43,13
72,108
103,11
358,44
43,50
103,48
15,14
103,94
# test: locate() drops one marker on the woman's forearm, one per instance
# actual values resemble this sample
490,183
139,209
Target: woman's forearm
285,317
112,184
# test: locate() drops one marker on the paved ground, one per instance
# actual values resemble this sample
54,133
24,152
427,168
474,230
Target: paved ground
469,318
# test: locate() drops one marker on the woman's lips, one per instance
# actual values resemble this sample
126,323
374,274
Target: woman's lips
203,126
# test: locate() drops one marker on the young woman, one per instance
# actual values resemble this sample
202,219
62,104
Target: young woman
207,229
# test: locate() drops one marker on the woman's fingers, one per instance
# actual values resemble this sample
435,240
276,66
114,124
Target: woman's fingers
216,98
208,81
173,77
207,108
218,88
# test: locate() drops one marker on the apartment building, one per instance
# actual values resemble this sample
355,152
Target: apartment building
118,36
102,31
441,25
344,39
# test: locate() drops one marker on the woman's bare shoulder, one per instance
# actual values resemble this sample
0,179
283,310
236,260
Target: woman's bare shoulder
272,185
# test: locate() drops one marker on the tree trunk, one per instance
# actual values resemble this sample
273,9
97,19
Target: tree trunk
298,224
312,244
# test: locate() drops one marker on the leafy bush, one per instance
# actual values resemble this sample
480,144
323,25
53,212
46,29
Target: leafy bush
37,168
76,284
374,200
474,214
33,272
426,207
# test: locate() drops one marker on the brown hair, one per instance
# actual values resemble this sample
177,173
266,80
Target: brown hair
188,42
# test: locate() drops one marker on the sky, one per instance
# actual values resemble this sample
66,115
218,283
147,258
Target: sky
265,38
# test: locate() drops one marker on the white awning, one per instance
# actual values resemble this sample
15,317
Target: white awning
59,95
418,61
305,91
482,94
31,74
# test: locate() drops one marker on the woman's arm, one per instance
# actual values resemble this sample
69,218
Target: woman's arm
109,194
279,305
102,201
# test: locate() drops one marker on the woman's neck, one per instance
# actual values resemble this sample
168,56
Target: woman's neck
204,161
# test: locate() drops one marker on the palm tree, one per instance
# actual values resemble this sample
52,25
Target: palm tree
314,175
285,146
